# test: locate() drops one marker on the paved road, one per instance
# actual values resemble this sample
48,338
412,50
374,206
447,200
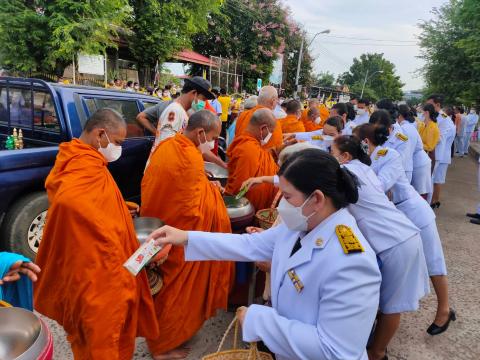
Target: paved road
461,244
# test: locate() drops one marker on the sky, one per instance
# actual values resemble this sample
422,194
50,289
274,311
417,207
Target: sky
352,22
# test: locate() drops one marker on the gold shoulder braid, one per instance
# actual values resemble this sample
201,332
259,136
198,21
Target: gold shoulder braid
317,137
401,136
348,240
295,280
381,152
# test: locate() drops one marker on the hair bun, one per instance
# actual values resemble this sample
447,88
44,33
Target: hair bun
349,182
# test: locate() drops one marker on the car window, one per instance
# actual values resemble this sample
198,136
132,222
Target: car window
20,107
45,116
129,110
146,105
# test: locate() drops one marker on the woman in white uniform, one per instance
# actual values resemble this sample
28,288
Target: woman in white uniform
392,236
421,179
325,276
387,164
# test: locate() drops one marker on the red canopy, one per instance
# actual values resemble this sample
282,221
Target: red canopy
194,57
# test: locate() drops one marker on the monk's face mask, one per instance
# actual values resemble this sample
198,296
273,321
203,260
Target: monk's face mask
112,152
265,139
205,145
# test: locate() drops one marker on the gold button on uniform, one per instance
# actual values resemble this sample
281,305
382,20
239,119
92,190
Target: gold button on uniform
319,242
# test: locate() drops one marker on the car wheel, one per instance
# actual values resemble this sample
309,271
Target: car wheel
22,227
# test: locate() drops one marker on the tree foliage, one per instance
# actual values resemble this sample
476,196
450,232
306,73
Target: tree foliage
253,31
160,29
451,49
379,85
326,79
44,35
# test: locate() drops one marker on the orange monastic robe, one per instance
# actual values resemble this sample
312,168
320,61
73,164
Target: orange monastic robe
291,124
176,190
324,114
243,120
248,159
88,236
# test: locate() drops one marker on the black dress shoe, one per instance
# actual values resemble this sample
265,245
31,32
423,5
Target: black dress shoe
475,221
474,215
435,205
434,329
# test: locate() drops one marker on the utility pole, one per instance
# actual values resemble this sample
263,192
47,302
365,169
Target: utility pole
300,58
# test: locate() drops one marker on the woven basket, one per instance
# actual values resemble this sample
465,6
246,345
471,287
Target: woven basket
266,217
235,353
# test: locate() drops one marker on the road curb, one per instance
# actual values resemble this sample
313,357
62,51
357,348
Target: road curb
474,150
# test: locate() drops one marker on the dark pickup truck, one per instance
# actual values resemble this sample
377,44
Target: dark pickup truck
49,114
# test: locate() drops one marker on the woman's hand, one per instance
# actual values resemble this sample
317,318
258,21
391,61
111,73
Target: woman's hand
241,313
169,235
253,229
27,268
247,184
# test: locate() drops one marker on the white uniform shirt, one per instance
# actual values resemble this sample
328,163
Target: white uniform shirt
362,119
472,120
331,317
398,140
316,138
349,126
447,135
378,219
420,157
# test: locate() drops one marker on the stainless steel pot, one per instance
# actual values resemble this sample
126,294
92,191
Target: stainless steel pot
23,336
241,212
145,225
217,172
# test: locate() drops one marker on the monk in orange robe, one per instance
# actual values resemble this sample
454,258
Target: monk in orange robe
176,190
249,159
88,236
324,113
267,98
291,123
313,120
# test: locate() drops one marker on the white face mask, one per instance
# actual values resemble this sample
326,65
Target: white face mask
292,216
267,138
206,146
318,120
112,152
421,116
361,112
472,111
355,107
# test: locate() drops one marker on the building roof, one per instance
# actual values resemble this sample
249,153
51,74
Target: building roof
194,57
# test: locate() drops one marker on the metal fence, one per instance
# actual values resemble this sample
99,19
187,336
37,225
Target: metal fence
226,73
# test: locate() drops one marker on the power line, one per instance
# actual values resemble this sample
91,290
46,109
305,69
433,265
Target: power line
369,39
365,44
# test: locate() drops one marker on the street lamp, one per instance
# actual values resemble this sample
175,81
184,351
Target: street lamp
368,77
300,56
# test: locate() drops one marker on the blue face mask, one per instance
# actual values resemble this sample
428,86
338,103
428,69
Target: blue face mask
198,105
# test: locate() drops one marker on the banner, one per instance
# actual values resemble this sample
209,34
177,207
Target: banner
91,64
277,73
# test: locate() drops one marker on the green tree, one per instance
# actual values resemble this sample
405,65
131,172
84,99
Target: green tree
450,45
379,85
160,28
252,31
326,79
45,35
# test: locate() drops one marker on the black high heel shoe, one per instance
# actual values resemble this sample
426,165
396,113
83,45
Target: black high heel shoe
434,329
435,205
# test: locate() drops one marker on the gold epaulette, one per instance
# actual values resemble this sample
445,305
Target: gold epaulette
444,115
401,136
317,137
348,240
381,152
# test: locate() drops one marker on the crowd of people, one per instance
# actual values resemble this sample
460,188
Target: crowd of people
354,245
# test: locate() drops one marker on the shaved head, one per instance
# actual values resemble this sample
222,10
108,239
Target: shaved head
106,118
204,119
263,117
313,113
293,107
268,97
